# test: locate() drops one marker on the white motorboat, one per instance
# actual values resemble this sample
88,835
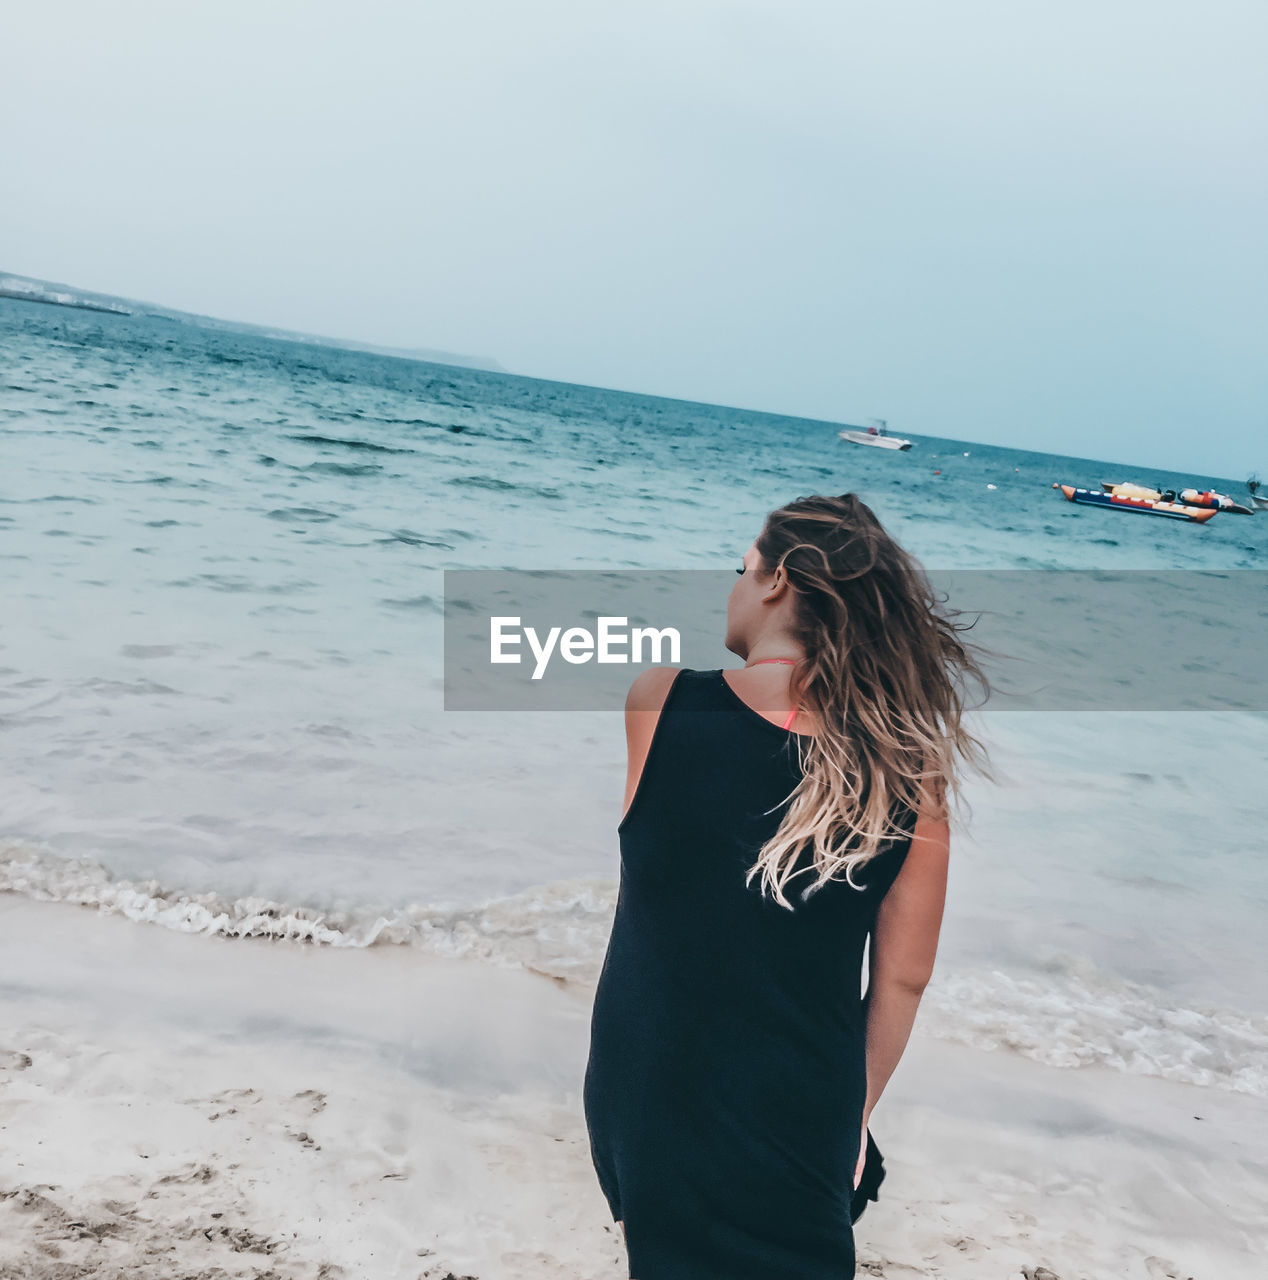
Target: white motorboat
874,435
1258,501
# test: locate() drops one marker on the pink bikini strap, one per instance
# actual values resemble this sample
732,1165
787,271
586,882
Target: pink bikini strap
792,662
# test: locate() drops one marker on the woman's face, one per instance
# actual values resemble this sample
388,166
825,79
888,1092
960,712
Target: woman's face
744,605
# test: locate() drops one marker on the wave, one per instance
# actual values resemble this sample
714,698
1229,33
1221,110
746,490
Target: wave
557,930
497,485
1066,1013
368,445
1069,1014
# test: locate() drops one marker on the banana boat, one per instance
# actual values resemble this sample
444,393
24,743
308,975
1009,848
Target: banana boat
1156,506
1189,497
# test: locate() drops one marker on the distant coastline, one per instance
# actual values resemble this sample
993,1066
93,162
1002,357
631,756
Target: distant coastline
30,289
53,300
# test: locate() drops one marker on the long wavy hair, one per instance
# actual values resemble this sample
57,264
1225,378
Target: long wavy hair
885,676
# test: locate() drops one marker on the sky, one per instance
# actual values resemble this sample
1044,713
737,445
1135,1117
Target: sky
1038,224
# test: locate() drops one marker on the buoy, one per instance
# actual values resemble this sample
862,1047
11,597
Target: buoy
937,471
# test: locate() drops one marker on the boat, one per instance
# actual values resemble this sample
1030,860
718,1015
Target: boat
1127,489
1125,502
1258,500
1189,497
1209,498
874,435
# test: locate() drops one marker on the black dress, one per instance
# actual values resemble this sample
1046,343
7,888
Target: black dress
726,1078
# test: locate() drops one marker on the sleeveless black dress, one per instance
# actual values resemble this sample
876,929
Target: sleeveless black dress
726,1078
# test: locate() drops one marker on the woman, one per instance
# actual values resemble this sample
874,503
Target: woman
775,817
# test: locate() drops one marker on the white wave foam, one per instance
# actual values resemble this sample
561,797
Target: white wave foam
1067,1014
558,930
1071,1015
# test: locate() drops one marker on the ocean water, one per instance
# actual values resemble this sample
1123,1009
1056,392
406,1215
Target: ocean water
220,678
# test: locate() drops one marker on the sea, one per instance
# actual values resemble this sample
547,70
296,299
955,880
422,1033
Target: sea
221,678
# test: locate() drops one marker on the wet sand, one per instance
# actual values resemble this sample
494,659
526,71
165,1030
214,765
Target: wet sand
179,1105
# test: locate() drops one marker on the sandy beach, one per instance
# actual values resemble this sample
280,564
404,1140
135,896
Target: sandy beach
383,394
173,1104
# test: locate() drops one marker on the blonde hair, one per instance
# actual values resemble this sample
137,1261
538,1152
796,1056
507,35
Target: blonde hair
883,677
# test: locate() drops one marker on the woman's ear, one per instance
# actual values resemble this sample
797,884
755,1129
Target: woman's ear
778,583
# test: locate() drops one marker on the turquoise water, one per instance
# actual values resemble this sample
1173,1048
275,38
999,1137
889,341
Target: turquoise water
221,670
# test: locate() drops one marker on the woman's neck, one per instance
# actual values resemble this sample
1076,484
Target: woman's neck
781,655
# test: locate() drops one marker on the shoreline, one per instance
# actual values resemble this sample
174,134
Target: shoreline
179,1103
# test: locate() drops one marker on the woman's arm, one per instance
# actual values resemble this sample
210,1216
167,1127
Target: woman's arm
904,944
643,705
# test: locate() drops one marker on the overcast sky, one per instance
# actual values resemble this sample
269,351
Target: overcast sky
1028,223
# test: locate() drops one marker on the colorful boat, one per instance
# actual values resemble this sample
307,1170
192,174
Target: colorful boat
1189,497
1209,498
1126,502
1126,489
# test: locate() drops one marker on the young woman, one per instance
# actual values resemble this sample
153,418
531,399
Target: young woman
776,816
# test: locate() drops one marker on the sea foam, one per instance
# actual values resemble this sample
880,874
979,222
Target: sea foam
557,930
1065,1013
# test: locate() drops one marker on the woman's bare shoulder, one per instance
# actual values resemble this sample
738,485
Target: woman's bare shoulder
650,687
